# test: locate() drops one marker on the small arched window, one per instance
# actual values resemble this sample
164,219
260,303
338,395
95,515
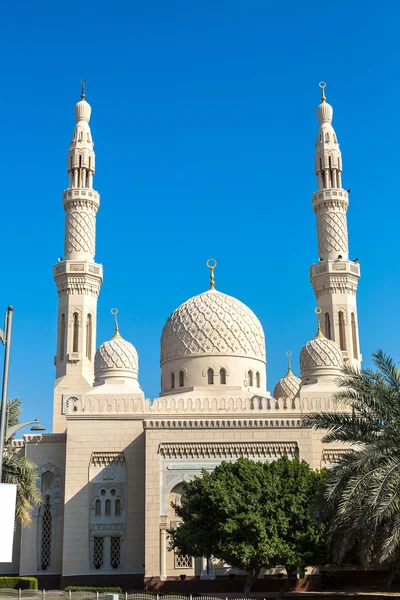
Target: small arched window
90,163
70,162
342,333
251,378
89,337
172,380
75,338
107,511
97,508
354,335
258,379
330,162
222,376
327,326
320,164
62,337
210,376
80,160
118,507
181,378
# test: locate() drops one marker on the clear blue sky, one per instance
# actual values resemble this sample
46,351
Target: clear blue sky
204,126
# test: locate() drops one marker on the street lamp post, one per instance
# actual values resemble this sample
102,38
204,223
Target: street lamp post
5,337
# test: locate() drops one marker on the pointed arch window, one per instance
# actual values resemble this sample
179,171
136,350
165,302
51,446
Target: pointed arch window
80,160
75,337
327,326
89,337
107,510
342,332
222,376
181,378
45,521
172,380
62,338
354,335
97,508
210,376
251,378
117,507
258,379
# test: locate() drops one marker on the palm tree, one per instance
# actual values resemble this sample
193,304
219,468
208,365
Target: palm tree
19,470
364,488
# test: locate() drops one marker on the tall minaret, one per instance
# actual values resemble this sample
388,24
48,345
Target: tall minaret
334,277
78,277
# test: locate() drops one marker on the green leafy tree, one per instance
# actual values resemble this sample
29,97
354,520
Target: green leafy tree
19,470
253,515
364,487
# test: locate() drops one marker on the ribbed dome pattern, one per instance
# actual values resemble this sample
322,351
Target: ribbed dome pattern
324,113
212,323
83,111
287,387
320,352
116,355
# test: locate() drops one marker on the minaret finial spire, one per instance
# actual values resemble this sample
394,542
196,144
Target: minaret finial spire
211,264
322,85
83,83
318,312
116,336
289,369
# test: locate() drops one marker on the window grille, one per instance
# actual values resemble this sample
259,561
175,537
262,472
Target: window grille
342,333
210,376
115,552
76,334
181,378
45,546
222,376
62,337
89,337
97,508
354,335
108,508
183,562
251,382
258,380
327,326
172,380
118,507
98,552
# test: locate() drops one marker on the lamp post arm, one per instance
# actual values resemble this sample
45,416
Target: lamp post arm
11,430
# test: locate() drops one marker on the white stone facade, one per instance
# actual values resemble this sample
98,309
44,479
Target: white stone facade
115,460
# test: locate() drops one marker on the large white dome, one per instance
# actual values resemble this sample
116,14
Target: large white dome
212,323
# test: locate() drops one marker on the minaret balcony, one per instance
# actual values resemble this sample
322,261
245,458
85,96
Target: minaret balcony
78,268
331,195
81,194
337,267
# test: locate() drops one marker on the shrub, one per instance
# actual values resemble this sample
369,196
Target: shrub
85,588
18,583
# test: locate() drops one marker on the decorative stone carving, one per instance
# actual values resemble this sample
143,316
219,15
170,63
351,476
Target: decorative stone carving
197,450
320,352
116,354
80,232
107,459
212,323
332,231
221,424
287,387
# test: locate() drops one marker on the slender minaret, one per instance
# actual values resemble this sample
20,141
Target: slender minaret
334,277
78,277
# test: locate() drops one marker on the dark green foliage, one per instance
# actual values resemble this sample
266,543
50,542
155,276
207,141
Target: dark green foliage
253,515
365,486
85,588
18,583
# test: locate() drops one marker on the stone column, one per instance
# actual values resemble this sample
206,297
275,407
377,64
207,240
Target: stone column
163,553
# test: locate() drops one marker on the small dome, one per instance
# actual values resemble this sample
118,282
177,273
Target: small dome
324,113
116,358
320,354
287,387
212,323
82,111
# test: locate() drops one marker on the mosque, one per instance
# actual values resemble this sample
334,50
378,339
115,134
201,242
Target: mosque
115,460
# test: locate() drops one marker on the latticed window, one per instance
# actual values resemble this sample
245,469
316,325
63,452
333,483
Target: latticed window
89,337
327,326
62,337
210,376
98,552
342,333
45,544
75,337
115,552
222,376
251,378
258,380
354,335
97,508
183,562
181,378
